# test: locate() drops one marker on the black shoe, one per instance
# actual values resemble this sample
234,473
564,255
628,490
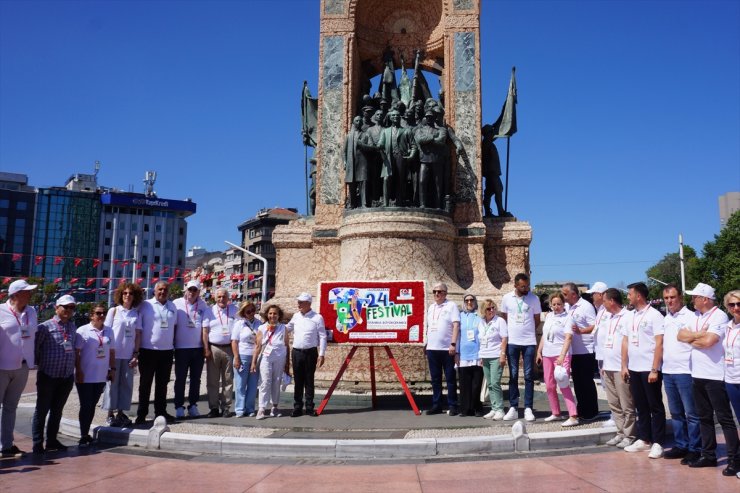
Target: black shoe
169,418
140,420
55,445
13,452
85,441
124,420
730,470
434,410
675,453
703,462
690,457
215,413
228,414
312,413
38,449
453,411
296,413
479,414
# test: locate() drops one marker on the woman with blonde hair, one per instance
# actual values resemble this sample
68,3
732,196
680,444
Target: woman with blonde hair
732,350
493,336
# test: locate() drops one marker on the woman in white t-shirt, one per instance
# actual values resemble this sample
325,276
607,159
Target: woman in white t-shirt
125,321
93,356
732,349
271,357
493,336
243,337
553,351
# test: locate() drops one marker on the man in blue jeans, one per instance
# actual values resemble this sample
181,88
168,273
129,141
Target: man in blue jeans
521,310
443,327
677,379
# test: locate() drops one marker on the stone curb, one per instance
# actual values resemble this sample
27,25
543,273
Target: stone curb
416,448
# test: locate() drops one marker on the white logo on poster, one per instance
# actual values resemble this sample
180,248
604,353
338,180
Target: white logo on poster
406,294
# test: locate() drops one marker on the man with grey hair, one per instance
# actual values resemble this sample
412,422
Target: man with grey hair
443,329
219,356
18,323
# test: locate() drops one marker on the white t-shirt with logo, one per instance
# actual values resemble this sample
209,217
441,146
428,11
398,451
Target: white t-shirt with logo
583,315
222,324
17,336
520,314
125,323
158,325
557,326
601,330
732,353
677,354
709,363
246,333
191,320
491,334
440,318
612,351
94,346
641,329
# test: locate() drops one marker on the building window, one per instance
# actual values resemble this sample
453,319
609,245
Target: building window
108,225
146,242
156,259
21,205
182,231
146,228
122,225
105,272
158,228
134,226
157,244
107,242
145,258
106,257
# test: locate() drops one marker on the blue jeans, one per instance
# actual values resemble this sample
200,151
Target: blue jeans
513,353
245,386
733,392
680,392
192,360
438,361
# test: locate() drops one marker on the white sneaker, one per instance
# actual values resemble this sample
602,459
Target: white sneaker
638,446
553,417
615,440
498,416
275,413
656,451
489,415
193,411
528,414
626,442
512,414
180,412
570,422
608,423
261,414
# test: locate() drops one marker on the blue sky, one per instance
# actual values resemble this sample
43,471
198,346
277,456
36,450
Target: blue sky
629,113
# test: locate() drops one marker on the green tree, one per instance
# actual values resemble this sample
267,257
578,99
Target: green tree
668,270
175,290
719,264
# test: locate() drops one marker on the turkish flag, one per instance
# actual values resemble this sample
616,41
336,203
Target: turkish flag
106,281
171,279
58,260
74,280
38,259
165,268
177,272
139,280
96,262
155,280
115,261
138,265
17,257
90,281
6,280
153,266
78,261
57,280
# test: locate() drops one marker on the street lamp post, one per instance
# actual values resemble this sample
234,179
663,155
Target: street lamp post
264,268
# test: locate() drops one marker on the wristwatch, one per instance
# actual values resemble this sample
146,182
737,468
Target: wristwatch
453,344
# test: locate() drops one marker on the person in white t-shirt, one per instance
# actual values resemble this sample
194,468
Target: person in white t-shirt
642,357
708,371
618,391
677,379
732,350
443,327
270,357
219,356
598,332
493,335
94,355
243,339
554,351
521,310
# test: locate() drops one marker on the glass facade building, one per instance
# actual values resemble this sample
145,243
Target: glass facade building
17,207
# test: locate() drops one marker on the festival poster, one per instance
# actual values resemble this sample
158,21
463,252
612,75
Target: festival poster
374,312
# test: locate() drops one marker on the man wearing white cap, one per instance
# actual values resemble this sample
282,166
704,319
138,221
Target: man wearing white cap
309,347
599,332
708,373
193,319
55,356
17,333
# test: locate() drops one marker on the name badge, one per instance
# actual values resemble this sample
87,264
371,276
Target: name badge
191,323
520,318
609,342
128,332
432,327
25,331
484,343
635,338
100,353
226,329
470,334
267,351
551,336
163,324
67,345
729,356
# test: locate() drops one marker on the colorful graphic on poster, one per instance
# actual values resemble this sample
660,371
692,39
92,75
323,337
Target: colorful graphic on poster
377,312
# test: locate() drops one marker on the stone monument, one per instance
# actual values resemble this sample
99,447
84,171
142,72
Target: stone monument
450,241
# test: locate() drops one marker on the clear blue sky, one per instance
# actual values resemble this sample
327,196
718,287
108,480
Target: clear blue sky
629,113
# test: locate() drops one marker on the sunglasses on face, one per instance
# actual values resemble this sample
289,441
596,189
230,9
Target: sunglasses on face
128,293
193,290
69,307
733,305
99,314
438,291
249,312
490,309
469,301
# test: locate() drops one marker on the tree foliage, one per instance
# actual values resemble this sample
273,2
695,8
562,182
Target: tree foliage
719,264
668,270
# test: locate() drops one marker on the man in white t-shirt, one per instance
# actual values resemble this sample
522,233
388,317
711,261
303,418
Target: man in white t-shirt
219,356
443,327
599,332
677,378
18,324
708,372
521,309
583,361
642,357
193,317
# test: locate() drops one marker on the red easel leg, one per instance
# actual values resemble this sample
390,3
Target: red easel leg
333,385
402,380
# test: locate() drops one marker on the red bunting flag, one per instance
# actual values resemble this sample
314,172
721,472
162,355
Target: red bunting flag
155,280
115,261
57,280
2,295
165,268
185,272
171,279
106,281
153,266
177,272
17,257
78,261
6,280
139,280
251,277
96,262
90,281
138,265
125,263
58,260
74,280
221,276
38,259
202,278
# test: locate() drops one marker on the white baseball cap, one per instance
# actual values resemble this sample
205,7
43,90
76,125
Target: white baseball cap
598,287
67,299
192,284
561,376
702,289
20,285
304,297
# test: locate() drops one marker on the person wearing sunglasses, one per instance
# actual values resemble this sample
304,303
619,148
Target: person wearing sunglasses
494,336
94,355
732,352
243,339
55,356
443,327
468,359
